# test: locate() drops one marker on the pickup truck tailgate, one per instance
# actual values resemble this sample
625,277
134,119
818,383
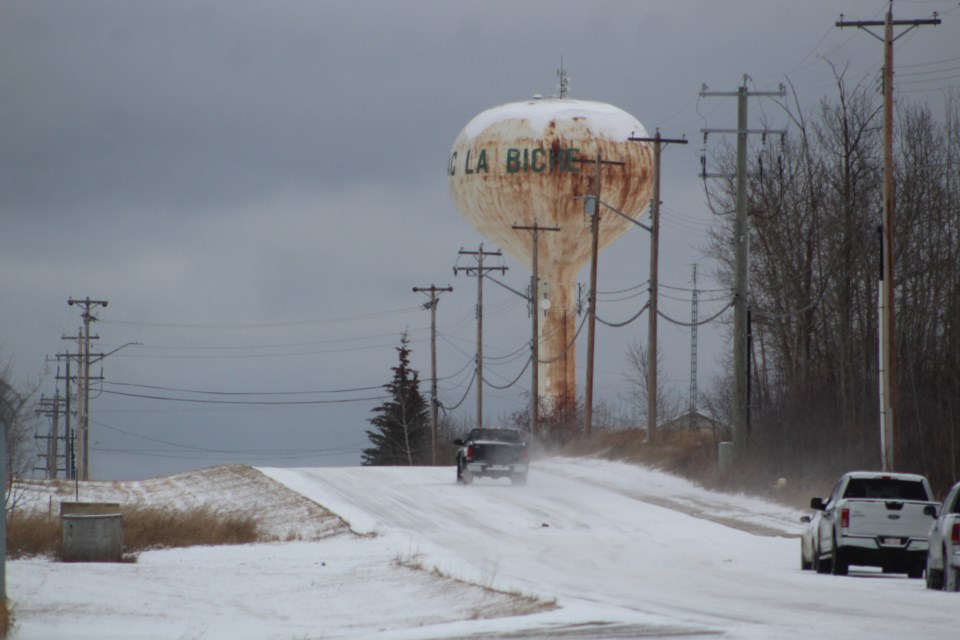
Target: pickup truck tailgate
498,453
887,519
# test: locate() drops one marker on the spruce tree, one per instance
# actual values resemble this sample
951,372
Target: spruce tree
402,426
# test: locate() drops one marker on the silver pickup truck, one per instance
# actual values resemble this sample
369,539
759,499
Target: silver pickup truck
943,558
873,519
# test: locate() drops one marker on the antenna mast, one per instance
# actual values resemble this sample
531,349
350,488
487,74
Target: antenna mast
564,86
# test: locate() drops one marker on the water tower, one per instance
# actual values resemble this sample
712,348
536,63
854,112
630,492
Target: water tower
524,163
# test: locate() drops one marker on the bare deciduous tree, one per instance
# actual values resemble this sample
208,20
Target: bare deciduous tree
814,205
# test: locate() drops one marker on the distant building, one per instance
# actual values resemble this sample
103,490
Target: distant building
695,420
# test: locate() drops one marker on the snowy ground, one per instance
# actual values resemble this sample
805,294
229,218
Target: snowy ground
588,549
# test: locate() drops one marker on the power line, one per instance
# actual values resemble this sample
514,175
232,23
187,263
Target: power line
697,289
188,447
245,402
282,345
239,393
623,324
926,64
241,356
473,378
698,324
264,325
179,455
514,381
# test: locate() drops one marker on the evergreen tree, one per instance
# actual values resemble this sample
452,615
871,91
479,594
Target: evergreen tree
402,425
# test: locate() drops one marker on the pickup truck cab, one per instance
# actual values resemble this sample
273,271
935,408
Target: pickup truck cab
874,519
943,556
492,452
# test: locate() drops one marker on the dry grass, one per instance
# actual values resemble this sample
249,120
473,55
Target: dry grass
6,619
509,603
38,534
151,527
32,534
692,454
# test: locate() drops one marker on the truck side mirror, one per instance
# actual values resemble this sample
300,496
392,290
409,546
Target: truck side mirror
930,510
816,503
458,442
805,519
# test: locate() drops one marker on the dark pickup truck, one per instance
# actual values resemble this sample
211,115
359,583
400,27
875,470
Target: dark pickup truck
496,453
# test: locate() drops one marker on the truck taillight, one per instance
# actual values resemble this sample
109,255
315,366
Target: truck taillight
955,533
845,518
469,454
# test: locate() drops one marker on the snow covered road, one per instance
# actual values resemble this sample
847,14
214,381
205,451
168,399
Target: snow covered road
624,553
587,549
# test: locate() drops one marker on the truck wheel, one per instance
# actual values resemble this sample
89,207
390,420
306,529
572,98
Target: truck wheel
840,566
934,577
818,564
463,474
950,578
916,570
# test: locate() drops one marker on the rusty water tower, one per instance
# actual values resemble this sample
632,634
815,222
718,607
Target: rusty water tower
524,163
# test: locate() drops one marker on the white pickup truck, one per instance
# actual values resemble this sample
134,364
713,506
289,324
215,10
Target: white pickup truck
943,558
874,519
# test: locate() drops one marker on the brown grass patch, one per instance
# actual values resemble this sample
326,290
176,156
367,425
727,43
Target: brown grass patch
692,454
32,534
6,619
511,603
36,534
153,527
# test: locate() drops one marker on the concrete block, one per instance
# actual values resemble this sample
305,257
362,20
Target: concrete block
92,537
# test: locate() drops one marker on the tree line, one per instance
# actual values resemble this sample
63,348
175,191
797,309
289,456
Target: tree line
815,211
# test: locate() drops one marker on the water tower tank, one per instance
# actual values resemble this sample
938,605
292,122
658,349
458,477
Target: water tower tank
523,163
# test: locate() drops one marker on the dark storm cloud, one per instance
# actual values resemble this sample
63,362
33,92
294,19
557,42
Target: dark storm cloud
198,104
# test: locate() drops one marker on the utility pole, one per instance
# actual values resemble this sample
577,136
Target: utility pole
83,404
741,240
887,321
592,309
70,469
73,434
50,407
535,231
432,306
693,343
658,143
480,271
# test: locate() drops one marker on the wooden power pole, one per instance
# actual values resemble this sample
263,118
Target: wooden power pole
887,321
479,271
592,309
83,402
658,143
535,231
434,403
741,241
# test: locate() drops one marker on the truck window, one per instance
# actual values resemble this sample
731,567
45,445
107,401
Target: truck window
885,489
495,435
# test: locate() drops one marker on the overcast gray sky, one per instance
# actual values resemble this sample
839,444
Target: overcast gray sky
255,187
